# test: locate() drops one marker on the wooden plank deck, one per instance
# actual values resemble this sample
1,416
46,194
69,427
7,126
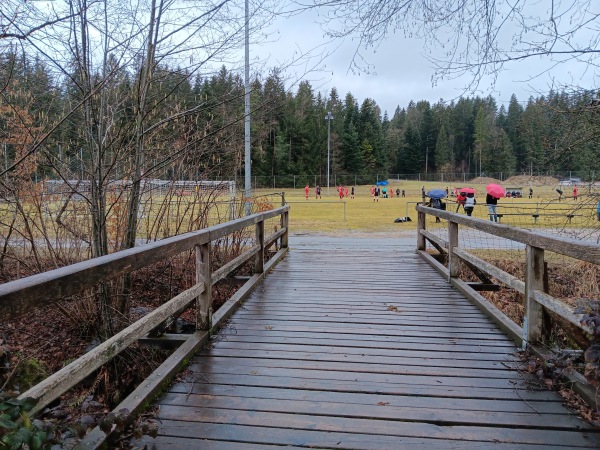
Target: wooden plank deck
359,344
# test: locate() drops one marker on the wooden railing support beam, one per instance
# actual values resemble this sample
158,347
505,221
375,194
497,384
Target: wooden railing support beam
259,261
285,223
453,260
420,226
534,281
203,275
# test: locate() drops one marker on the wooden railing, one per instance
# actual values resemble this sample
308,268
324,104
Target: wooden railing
18,297
532,287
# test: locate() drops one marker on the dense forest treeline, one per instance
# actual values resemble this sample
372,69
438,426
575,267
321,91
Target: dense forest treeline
550,133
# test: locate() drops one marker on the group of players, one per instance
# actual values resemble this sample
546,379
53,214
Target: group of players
376,192
342,192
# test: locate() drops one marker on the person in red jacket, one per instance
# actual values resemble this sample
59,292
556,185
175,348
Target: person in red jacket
575,192
461,198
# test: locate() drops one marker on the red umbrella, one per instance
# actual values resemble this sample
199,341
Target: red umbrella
495,190
467,190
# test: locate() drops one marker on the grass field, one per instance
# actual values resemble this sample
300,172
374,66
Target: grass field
362,214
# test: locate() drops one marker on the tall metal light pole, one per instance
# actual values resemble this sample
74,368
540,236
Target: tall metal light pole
328,118
247,156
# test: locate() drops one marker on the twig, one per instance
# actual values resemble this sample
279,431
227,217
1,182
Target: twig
11,375
526,402
194,381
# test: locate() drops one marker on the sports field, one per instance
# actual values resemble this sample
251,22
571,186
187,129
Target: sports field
329,214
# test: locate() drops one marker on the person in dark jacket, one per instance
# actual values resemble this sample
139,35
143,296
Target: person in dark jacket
437,204
492,204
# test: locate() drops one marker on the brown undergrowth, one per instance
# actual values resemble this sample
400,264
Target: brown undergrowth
577,284
573,283
44,340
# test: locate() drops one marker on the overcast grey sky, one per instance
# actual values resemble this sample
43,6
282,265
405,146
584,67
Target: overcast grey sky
402,73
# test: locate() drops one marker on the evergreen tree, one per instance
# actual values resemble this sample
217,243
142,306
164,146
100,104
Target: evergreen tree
411,158
513,119
353,161
442,152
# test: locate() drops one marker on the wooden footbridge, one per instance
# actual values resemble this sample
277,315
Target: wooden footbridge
354,343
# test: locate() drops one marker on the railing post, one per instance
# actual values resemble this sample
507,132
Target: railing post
533,324
420,226
285,223
260,240
453,260
203,275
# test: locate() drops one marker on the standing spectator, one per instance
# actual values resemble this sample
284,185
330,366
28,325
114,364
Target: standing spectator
403,193
306,190
398,192
376,198
447,191
598,212
352,192
575,192
317,192
530,192
423,191
437,204
492,204
470,203
460,200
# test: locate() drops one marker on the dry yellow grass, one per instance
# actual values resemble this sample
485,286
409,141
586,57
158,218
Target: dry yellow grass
362,214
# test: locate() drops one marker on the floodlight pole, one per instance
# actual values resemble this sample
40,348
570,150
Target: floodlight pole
247,155
328,118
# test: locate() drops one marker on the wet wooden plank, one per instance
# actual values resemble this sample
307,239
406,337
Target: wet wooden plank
467,344
197,436
363,360
354,348
382,409
380,427
349,397
351,349
405,330
411,387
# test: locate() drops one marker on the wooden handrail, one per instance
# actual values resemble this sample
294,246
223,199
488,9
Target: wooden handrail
532,287
20,296
535,243
565,246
